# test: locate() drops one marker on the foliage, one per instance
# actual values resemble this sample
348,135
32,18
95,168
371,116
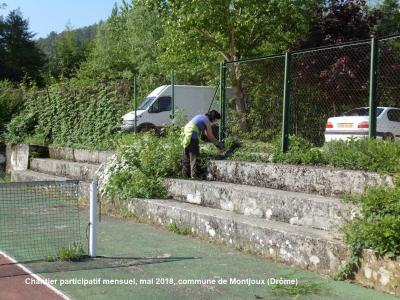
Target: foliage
141,164
376,227
300,152
302,289
128,43
72,114
374,155
11,100
379,223
67,50
339,22
390,22
20,59
179,229
248,150
74,252
198,33
66,55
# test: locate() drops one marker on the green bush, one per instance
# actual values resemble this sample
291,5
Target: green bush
11,101
378,226
374,155
300,152
141,164
364,154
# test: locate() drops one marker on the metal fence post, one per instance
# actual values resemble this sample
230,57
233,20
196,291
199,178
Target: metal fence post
92,218
135,101
286,104
172,94
222,97
372,88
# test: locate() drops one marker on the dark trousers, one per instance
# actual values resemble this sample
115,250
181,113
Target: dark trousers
190,159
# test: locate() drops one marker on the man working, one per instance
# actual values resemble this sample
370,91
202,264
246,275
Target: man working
190,141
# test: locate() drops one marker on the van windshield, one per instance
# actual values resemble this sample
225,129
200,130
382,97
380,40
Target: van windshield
146,103
361,112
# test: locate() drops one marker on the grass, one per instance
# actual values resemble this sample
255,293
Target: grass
75,252
4,177
304,289
183,230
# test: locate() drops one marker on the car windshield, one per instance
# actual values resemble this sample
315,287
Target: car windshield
361,112
146,103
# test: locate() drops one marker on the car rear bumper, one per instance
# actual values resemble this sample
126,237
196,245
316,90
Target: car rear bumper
343,136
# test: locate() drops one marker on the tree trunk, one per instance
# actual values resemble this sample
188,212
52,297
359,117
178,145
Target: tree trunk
240,100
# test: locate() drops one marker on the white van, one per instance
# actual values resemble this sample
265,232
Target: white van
155,110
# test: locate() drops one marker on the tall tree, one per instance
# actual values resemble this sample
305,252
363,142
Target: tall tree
21,56
67,55
340,21
2,45
128,43
110,53
390,22
203,31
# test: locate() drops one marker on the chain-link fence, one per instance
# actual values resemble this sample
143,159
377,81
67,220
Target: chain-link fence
176,99
254,94
321,83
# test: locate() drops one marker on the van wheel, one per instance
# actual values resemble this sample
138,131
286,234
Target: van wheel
388,136
146,128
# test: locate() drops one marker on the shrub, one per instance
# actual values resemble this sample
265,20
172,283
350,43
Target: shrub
11,101
364,154
300,152
374,155
378,226
141,164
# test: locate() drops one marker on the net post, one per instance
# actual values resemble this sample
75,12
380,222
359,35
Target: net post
92,224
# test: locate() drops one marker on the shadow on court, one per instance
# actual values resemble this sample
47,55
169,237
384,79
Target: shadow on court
98,263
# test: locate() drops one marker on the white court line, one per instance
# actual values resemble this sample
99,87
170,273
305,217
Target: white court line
37,277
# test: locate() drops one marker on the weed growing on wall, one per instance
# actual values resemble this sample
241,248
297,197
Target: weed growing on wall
377,227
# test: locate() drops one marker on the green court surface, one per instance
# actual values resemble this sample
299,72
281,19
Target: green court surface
135,252
37,219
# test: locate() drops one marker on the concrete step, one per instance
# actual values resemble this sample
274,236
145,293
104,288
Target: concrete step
308,179
290,207
73,170
79,155
303,247
29,176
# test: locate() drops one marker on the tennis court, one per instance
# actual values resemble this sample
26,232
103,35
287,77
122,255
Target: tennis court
139,261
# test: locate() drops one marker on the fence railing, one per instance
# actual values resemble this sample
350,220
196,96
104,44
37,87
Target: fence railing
295,93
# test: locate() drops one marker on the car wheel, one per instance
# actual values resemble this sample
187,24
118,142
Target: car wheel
388,136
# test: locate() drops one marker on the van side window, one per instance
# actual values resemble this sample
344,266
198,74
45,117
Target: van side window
394,115
162,104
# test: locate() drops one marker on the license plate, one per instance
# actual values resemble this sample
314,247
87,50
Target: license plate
345,125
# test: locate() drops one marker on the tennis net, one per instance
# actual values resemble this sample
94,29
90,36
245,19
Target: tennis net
37,219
